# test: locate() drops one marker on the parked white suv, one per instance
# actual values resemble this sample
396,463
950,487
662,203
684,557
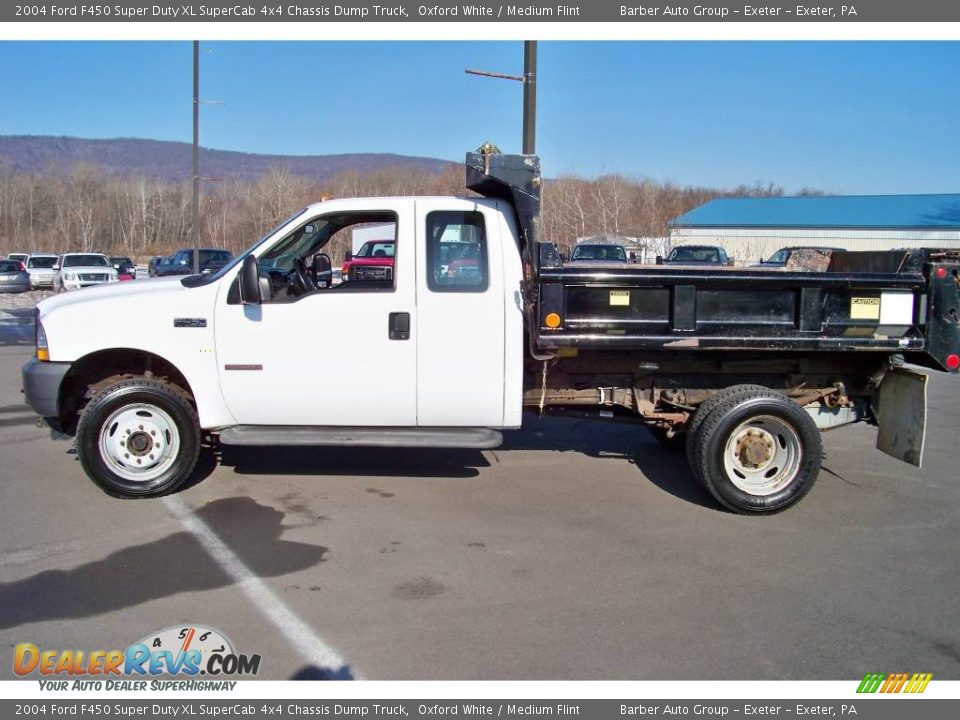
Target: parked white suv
80,270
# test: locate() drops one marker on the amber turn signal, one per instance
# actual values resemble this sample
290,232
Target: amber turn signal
552,320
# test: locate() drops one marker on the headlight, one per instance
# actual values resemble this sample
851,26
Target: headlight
69,276
43,350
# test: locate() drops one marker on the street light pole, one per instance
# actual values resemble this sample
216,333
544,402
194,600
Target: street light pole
196,156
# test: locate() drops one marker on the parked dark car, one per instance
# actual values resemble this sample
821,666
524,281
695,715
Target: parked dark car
598,254
696,255
13,278
125,267
162,265
152,264
211,260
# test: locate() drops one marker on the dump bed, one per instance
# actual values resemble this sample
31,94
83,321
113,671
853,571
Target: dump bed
895,301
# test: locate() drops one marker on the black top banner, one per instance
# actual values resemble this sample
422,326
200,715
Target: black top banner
718,11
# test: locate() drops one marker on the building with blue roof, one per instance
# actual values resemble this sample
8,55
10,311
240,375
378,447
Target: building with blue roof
751,228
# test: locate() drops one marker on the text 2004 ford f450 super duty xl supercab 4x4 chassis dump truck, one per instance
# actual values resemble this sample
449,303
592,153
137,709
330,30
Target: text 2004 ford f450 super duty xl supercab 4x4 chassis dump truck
746,364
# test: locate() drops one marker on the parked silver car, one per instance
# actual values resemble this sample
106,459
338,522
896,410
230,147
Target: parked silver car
40,269
13,278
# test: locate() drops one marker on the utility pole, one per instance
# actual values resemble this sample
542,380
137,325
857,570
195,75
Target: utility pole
530,97
529,80
196,157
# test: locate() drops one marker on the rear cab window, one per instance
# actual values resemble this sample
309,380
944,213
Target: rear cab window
457,252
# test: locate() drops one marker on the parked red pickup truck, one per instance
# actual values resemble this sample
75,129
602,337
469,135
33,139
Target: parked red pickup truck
374,261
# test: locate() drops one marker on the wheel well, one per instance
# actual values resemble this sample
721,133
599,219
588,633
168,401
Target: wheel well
96,370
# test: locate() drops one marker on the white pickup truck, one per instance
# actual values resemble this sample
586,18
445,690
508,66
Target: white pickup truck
470,325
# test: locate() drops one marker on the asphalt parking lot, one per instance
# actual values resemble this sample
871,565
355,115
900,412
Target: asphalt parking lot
576,551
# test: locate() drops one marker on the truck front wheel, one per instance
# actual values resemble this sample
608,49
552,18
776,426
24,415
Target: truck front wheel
757,452
139,437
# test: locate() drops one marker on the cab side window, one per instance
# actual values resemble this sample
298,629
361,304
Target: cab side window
456,252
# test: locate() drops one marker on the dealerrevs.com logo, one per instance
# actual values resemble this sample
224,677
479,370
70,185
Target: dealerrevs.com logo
894,682
176,651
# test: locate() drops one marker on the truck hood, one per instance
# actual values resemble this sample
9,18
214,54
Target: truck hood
148,290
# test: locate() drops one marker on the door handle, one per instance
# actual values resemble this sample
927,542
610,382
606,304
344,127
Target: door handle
399,327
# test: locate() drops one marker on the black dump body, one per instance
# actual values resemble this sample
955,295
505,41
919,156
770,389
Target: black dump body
899,301
910,308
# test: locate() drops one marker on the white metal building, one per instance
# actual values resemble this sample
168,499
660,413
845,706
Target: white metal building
750,228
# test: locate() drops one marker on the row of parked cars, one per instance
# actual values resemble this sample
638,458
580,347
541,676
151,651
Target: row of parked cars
20,272
181,262
695,255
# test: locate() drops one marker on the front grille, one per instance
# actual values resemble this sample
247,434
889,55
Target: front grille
373,273
93,277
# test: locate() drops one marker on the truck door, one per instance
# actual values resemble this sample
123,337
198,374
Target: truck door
460,314
335,356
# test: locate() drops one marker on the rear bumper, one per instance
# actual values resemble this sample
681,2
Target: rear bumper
41,385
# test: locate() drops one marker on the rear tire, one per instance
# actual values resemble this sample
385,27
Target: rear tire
704,409
757,452
139,438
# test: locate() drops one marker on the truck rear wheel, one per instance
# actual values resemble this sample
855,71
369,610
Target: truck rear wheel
139,438
704,409
757,452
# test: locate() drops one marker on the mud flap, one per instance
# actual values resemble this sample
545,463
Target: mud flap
902,415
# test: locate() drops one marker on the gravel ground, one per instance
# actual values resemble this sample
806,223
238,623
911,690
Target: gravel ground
18,301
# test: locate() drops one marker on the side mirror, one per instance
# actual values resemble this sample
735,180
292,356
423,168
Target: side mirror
659,259
249,282
322,270
322,264
731,262
347,256
56,267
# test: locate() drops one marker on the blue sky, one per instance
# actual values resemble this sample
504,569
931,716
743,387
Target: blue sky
851,117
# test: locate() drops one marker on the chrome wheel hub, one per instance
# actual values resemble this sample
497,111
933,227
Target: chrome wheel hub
762,455
139,442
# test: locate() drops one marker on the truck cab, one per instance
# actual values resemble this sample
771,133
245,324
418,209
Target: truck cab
426,350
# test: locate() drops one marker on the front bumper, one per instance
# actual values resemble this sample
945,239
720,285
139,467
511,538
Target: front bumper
41,385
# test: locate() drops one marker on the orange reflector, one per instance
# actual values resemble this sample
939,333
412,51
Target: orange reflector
552,320
43,354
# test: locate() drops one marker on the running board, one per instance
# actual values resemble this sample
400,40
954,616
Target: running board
481,438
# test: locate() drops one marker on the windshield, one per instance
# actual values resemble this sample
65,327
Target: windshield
43,262
780,256
376,248
695,254
198,280
599,252
85,261
121,261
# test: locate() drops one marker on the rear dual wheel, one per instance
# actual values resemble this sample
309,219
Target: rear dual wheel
754,450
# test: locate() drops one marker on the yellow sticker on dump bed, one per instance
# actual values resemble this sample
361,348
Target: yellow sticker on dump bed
619,297
864,308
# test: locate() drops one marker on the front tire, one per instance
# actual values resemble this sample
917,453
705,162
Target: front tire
757,452
139,437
